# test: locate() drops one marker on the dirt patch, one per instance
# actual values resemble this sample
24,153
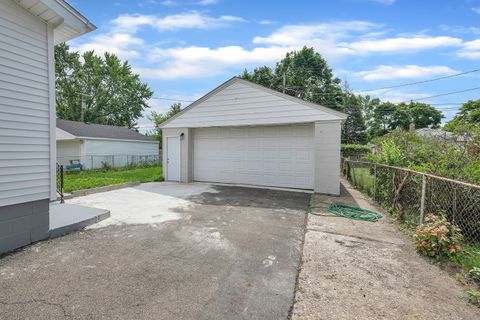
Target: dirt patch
363,270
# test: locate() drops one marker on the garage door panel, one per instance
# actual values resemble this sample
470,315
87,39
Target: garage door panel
303,154
300,167
279,156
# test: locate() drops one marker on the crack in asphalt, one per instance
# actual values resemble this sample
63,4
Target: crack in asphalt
354,236
58,305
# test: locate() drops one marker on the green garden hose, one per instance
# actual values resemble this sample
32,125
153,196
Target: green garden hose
350,212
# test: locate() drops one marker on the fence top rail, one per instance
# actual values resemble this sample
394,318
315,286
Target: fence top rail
111,155
465,184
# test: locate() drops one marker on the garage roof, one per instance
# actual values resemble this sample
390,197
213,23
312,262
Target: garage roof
239,102
90,130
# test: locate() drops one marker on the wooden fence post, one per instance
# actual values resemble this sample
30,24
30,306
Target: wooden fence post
422,200
374,181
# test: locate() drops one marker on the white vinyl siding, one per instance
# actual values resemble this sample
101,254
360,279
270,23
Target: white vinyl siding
242,104
24,107
277,156
68,150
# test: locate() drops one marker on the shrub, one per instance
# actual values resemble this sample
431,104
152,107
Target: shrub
389,153
438,238
474,296
354,149
475,273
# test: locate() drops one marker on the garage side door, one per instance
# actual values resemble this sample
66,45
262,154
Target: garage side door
278,156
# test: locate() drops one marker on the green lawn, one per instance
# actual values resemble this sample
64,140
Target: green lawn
78,180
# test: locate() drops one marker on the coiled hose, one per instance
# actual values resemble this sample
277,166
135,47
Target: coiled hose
350,212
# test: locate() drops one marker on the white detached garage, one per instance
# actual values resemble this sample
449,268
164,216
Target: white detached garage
244,133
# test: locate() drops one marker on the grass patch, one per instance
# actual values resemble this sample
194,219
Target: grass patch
79,180
470,257
363,179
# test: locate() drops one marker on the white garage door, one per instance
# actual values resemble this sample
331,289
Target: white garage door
278,156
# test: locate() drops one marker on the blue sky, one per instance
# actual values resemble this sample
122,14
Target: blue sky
185,48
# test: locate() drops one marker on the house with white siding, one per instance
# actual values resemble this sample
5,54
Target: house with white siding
243,133
29,29
91,146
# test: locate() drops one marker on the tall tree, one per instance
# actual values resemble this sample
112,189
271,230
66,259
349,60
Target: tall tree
383,117
307,76
261,75
303,74
380,118
159,118
354,130
103,90
421,114
467,116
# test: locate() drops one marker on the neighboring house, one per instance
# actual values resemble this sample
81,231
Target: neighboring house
94,145
440,134
29,29
244,133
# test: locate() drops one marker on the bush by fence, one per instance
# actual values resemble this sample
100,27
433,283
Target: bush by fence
108,161
355,151
411,195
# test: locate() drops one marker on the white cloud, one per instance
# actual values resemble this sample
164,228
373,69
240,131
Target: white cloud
401,44
207,2
189,20
459,29
169,3
265,22
386,72
470,50
333,39
476,10
204,61
298,35
384,2
116,43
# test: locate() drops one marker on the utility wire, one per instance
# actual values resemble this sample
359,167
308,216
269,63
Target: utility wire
444,94
170,99
292,88
423,81
408,83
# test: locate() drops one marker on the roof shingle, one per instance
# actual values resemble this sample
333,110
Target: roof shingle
80,129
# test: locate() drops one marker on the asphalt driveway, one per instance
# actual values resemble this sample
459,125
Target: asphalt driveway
169,251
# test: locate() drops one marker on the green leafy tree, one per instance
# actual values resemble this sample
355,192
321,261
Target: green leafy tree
306,76
421,114
354,128
467,116
383,117
159,118
261,75
380,119
98,89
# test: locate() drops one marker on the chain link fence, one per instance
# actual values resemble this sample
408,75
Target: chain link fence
89,162
410,195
